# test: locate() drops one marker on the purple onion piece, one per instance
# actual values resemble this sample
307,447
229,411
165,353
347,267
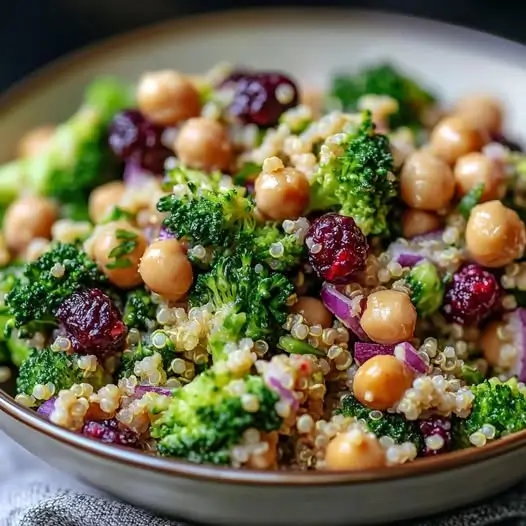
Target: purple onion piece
134,175
407,354
410,252
364,351
164,233
283,392
341,306
47,407
141,390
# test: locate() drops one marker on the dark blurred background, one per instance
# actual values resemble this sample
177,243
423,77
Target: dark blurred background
33,32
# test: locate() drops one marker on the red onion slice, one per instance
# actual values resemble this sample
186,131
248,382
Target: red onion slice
517,324
141,390
47,407
407,354
341,306
364,351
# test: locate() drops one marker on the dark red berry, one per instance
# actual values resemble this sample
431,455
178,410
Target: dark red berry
337,247
132,136
439,427
472,295
261,98
92,322
111,432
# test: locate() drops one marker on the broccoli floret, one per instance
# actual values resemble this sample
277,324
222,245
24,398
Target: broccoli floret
248,300
78,157
471,374
158,343
270,245
391,425
206,419
139,310
182,175
385,79
206,217
427,288
44,366
499,404
360,182
48,281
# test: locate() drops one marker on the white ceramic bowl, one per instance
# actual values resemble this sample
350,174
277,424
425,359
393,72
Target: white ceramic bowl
310,44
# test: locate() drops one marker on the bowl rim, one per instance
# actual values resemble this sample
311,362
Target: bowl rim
46,76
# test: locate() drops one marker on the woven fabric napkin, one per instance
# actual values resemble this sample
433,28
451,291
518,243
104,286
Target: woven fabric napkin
33,494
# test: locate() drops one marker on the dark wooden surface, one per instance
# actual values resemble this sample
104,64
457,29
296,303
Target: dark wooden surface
33,32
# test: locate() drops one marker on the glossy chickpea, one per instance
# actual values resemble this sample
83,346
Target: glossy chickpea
117,249
419,222
282,193
313,311
381,381
454,137
28,218
354,450
204,144
426,181
35,141
389,317
166,270
481,111
167,97
495,235
103,198
491,344
474,169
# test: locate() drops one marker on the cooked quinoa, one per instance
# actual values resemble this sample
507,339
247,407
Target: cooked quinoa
218,271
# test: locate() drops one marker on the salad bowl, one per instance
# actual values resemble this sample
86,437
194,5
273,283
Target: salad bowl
311,45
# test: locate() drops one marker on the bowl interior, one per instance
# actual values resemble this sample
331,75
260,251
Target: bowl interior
310,44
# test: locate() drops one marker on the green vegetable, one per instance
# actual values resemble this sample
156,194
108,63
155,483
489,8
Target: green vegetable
142,350
471,374
184,176
78,158
470,200
44,366
427,288
42,286
499,404
139,310
128,243
385,79
248,301
205,419
294,346
381,424
246,173
359,182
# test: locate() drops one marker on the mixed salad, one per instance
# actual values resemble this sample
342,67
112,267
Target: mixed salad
226,269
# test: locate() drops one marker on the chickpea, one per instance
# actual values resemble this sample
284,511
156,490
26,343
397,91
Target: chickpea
419,222
454,137
474,169
35,141
495,235
204,144
381,381
426,182
103,199
28,218
117,249
481,111
166,270
313,311
354,450
389,317
282,194
167,97
491,344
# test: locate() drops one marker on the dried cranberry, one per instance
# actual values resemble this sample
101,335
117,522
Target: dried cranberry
437,435
92,322
337,247
111,432
132,136
261,98
472,295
